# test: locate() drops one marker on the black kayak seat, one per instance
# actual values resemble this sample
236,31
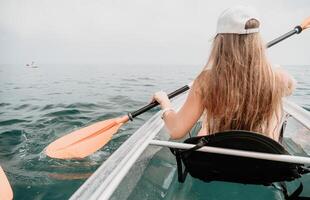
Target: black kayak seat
218,167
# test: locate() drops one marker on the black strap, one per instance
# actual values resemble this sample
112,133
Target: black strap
181,174
303,198
295,194
185,153
201,143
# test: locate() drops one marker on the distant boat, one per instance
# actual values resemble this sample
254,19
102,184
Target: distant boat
32,65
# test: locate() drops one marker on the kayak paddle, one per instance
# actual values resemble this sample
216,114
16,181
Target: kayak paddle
6,192
83,142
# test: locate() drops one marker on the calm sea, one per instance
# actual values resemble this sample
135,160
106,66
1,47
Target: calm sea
38,105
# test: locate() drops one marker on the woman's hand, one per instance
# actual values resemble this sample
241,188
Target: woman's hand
162,98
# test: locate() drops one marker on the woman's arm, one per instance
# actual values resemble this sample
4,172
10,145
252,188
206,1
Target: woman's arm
180,123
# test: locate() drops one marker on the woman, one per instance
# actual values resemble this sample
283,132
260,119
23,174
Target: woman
238,89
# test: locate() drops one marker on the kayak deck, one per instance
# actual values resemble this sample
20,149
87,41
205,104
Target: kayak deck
140,171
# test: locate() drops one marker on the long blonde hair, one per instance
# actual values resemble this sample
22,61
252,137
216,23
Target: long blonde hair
239,91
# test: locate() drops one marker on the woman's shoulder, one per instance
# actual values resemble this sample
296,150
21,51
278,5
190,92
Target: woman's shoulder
201,79
284,80
203,74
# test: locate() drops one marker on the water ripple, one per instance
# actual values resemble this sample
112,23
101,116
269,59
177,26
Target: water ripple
129,79
23,106
52,106
82,105
63,113
11,122
9,141
4,104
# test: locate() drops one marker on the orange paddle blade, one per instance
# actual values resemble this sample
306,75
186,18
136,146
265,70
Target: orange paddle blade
6,192
83,142
305,24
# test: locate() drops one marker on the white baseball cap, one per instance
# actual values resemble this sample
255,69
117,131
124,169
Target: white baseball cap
233,20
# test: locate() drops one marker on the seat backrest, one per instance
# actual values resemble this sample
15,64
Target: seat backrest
218,167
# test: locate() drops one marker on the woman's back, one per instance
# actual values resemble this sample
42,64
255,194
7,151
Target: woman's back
243,110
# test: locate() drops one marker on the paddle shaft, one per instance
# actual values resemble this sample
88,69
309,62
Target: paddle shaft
296,30
138,112
155,103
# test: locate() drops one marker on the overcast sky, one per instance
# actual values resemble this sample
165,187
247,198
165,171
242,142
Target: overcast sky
136,31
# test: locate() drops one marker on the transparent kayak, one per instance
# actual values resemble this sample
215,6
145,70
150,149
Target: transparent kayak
140,170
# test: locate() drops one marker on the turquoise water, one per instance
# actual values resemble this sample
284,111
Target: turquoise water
38,105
